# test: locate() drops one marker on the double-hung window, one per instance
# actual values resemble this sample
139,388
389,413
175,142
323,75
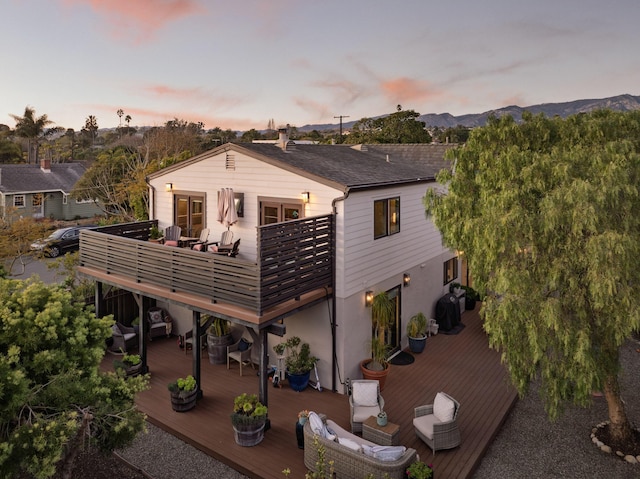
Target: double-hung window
386,217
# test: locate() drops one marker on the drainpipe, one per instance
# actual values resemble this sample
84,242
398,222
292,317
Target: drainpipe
333,306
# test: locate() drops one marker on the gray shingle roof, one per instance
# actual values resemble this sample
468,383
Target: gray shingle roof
361,166
31,178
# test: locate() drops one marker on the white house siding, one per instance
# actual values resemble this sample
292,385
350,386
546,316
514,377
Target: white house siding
253,178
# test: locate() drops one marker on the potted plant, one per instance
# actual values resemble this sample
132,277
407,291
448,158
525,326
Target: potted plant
382,318
218,338
129,364
299,362
155,235
417,332
302,419
472,296
248,419
419,470
382,419
184,393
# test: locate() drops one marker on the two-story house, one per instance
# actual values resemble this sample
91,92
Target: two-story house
320,227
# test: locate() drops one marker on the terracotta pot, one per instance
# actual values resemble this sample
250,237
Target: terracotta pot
381,376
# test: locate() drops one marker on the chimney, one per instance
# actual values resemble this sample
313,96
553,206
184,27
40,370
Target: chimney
45,165
283,137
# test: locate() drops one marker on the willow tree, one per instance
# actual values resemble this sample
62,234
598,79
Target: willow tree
546,213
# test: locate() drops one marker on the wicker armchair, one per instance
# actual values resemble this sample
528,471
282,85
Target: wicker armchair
124,338
364,401
159,323
436,424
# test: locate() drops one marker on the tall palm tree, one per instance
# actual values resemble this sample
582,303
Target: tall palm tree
120,112
33,129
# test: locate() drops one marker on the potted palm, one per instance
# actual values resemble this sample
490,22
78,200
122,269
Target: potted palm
184,393
248,419
382,318
298,363
417,332
218,338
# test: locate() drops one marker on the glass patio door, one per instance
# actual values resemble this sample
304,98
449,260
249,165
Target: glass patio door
188,214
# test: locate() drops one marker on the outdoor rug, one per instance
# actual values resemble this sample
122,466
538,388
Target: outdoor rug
402,359
455,330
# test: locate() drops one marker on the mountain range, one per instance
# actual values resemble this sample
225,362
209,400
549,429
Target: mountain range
446,120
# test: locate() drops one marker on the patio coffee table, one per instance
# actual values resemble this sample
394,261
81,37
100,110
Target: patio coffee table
383,435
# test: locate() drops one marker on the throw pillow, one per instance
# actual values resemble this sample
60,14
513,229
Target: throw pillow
443,408
350,443
243,345
155,316
388,453
365,394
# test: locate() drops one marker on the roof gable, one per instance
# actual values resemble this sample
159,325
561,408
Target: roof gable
343,166
31,178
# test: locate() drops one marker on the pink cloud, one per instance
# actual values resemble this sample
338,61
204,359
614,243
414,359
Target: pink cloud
406,90
139,19
196,96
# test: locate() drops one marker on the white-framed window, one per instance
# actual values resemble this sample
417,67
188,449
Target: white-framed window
82,202
65,199
18,201
386,217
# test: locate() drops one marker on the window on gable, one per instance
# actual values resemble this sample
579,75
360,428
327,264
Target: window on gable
450,270
18,201
386,217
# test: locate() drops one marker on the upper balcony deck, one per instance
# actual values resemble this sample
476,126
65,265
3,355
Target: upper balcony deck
295,268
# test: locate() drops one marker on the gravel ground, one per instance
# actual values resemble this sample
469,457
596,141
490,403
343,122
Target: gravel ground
527,446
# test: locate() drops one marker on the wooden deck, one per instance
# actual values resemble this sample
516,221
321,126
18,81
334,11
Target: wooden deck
461,365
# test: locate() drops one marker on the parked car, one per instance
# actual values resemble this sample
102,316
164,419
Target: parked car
61,240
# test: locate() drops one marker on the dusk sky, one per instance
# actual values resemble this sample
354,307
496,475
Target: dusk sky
238,64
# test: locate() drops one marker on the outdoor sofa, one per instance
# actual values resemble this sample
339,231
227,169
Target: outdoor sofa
348,463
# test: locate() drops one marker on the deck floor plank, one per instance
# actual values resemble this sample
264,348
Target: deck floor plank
461,365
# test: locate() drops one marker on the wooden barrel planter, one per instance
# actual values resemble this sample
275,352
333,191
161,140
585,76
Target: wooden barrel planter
181,401
249,434
217,348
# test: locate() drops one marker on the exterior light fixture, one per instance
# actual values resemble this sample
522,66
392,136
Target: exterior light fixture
305,197
168,186
368,298
406,279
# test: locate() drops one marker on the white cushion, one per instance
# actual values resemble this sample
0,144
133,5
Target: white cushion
362,413
384,453
319,427
343,433
443,408
365,394
425,423
350,443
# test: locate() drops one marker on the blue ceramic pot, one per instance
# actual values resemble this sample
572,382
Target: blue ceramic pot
299,382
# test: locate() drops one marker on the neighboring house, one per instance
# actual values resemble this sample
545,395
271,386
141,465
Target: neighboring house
43,191
380,236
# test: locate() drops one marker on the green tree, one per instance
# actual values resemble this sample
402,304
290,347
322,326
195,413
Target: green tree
10,152
250,135
33,129
54,396
546,213
91,128
399,127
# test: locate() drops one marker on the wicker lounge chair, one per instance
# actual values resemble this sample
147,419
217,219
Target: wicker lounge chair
436,424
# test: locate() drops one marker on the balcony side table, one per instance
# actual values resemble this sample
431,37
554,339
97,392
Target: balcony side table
383,435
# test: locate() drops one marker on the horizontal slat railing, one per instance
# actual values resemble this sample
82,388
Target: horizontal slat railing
295,258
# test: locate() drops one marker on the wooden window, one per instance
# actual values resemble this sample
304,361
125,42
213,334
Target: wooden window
450,270
275,211
386,217
18,201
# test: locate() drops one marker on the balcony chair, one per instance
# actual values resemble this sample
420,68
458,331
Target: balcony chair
159,323
436,424
241,352
172,235
124,338
225,240
201,241
226,250
364,401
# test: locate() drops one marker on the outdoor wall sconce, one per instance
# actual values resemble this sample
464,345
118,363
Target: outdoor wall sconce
305,197
368,298
168,186
406,279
